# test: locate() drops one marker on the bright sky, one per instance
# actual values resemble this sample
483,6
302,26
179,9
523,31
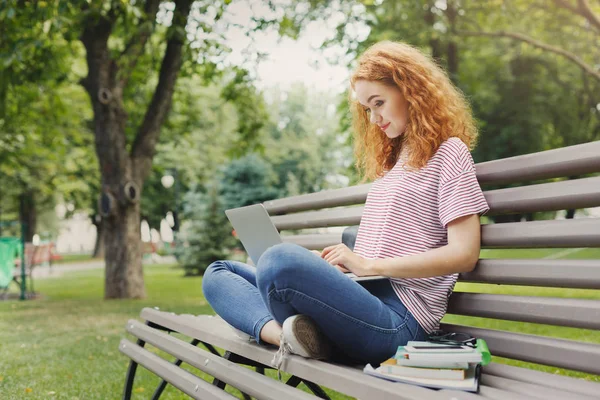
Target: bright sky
288,61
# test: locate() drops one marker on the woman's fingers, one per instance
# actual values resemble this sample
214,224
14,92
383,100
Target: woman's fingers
331,256
327,250
341,268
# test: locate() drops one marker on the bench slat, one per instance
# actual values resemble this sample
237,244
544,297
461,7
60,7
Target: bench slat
323,199
575,385
319,219
530,389
576,313
316,241
561,353
535,234
583,274
567,161
570,194
462,395
183,380
244,379
539,234
345,379
489,392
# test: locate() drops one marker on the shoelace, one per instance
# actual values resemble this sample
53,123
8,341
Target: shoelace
279,358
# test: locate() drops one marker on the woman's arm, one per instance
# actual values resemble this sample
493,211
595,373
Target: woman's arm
459,255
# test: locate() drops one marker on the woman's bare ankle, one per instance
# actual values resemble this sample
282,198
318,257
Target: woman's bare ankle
271,332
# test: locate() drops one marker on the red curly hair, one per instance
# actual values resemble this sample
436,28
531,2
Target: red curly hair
437,110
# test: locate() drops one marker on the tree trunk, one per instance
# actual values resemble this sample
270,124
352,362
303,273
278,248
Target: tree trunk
452,56
124,168
28,213
435,43
99,247
124,276
500,219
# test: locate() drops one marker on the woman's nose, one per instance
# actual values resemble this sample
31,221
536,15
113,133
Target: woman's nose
373,117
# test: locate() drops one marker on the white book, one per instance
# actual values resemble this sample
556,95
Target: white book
416,372
430,347
432,364
469,384
438,356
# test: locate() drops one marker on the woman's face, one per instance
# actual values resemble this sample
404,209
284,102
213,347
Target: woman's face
385,105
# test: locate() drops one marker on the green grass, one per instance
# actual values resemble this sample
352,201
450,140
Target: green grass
75,258
65,345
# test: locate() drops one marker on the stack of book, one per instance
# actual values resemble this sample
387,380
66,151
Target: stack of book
435,365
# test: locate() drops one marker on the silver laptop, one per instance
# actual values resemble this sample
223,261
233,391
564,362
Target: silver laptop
257,233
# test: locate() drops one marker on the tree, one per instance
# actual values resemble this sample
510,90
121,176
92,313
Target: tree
208,236
303,144
44,140
245,181
566,19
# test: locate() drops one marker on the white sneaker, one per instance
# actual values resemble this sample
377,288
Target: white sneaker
301,336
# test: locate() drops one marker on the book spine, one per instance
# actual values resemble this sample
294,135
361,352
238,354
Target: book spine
474,357
483,349
450,374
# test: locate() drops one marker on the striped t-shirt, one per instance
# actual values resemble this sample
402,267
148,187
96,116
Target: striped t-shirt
407,212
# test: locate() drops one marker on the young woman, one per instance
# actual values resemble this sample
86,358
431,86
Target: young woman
420,227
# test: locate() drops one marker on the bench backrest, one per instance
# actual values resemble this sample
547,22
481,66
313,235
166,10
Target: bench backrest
343,207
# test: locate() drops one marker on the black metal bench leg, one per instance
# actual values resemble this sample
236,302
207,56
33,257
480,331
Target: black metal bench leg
131,374
220,384
294,381
133,365
163,383
316,389
211,349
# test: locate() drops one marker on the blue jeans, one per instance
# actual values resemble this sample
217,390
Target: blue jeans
366,322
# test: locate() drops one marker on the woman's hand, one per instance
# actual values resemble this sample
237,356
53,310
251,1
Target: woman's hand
346,261
344,270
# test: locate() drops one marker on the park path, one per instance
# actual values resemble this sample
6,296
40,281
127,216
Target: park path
58,269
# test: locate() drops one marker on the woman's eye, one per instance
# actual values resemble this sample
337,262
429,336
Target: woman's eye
378,103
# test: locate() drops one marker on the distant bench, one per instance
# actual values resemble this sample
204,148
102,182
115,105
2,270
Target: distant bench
43,254
499,381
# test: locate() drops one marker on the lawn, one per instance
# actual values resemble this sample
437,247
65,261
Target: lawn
64,346
75,258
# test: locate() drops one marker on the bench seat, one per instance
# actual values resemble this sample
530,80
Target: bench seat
498,381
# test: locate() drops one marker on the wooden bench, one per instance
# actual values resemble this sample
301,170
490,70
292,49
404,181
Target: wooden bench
342,208
40,255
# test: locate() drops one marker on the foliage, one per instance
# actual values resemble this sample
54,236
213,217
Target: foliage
245,181
251,112
526,97
303,144
208,235
44,140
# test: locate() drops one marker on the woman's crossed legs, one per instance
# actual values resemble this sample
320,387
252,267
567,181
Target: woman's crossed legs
365,321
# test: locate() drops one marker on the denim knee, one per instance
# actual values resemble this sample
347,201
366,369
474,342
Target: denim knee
209,278
279,260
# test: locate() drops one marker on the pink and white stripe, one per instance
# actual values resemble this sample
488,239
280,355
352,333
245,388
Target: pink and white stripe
407,212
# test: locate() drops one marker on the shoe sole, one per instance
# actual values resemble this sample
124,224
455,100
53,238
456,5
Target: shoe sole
306,338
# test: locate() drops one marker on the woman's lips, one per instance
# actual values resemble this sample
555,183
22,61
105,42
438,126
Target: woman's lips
384,127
